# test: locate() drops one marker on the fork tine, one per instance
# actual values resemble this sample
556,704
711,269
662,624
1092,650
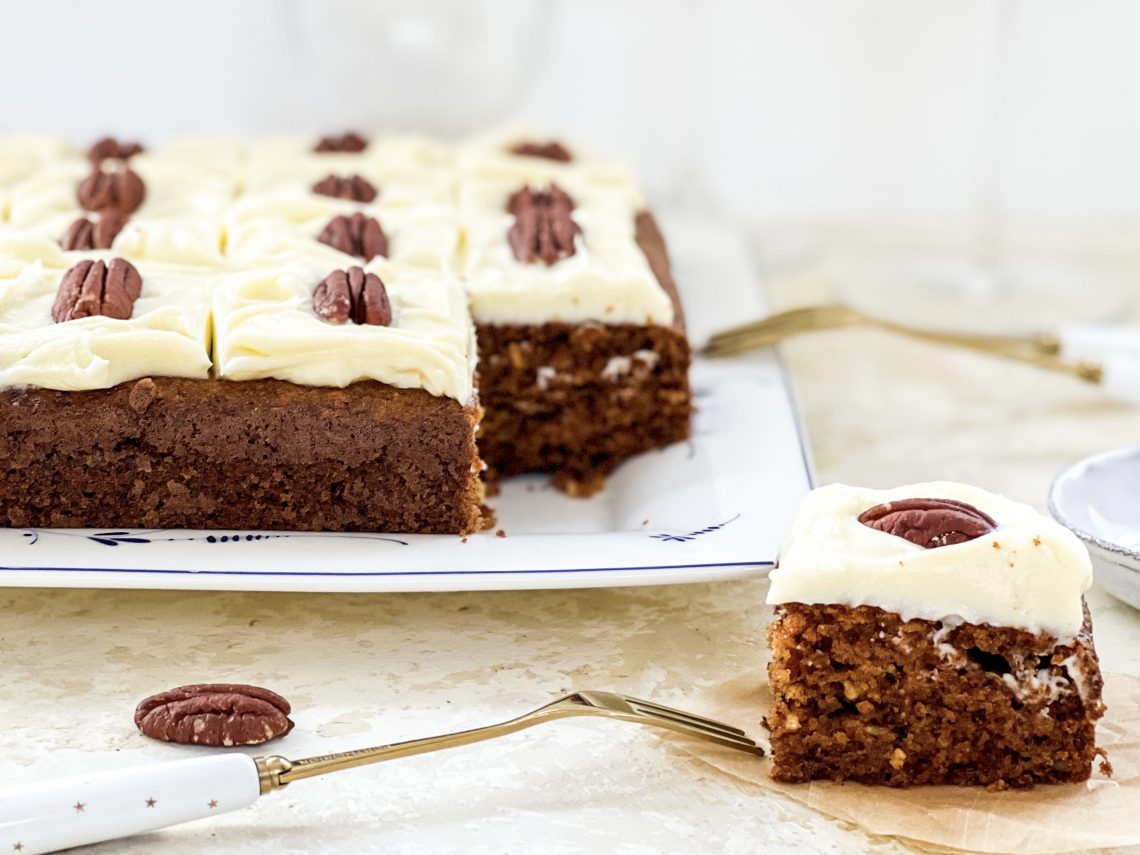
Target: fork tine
696,727
790,322
649,706
646,712
699,731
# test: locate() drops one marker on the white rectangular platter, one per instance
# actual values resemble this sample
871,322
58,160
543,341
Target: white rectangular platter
715,507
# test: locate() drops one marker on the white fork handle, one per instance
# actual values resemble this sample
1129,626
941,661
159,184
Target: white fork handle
1097,342
67,812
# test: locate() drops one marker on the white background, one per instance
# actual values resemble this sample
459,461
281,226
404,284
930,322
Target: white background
766,109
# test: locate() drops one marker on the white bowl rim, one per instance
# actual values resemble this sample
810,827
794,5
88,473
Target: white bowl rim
1070,475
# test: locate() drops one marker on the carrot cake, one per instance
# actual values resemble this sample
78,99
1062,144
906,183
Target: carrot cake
311,332
931,634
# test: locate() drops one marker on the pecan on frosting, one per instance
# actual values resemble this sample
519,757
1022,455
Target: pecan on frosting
543,229
349,142
351,187
357,235
97,232
109,148
552,150
352,295
97,288
929,523
120,189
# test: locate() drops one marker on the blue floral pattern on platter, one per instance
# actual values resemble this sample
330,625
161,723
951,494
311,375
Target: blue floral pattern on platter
116,538
666,537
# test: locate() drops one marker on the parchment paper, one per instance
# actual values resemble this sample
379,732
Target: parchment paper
1055,818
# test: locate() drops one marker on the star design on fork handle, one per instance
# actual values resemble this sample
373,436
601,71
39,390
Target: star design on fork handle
79,806
151,802
18,846
213,803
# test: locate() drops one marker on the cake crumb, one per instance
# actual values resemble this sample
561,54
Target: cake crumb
645,522
578,488
898,758
463,539
1105,766
500,533
142,395
1036,541
996,545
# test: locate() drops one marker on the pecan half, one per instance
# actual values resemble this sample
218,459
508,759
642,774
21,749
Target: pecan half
120,189
350,142
543,229
351,187
97,288
929,522
93,232
352,295
356,235
552,150
109,148
222,714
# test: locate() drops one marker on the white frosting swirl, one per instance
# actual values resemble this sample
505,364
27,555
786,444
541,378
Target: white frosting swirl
167,334
404,170
490,156
266,226
1029,573
265,327
173,189
607,278
189,241
21,156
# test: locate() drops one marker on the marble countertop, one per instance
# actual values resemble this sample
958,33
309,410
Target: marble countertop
365,669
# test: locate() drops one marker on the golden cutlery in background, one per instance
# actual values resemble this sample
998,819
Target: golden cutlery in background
1037,350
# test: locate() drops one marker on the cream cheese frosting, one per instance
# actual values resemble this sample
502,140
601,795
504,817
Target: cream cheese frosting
21,156
272,225
404,170
490,156
1029,573
190,241
173,189
607,279
232,207
222,156
265,327
167,334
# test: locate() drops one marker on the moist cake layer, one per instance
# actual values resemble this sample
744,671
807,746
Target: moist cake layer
577,399
259,454
862,695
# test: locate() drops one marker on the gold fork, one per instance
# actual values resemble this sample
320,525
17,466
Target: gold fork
1039,350
275,772
88,808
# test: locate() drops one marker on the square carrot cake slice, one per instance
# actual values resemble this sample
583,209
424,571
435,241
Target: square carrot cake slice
351,392
931,634
584,358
